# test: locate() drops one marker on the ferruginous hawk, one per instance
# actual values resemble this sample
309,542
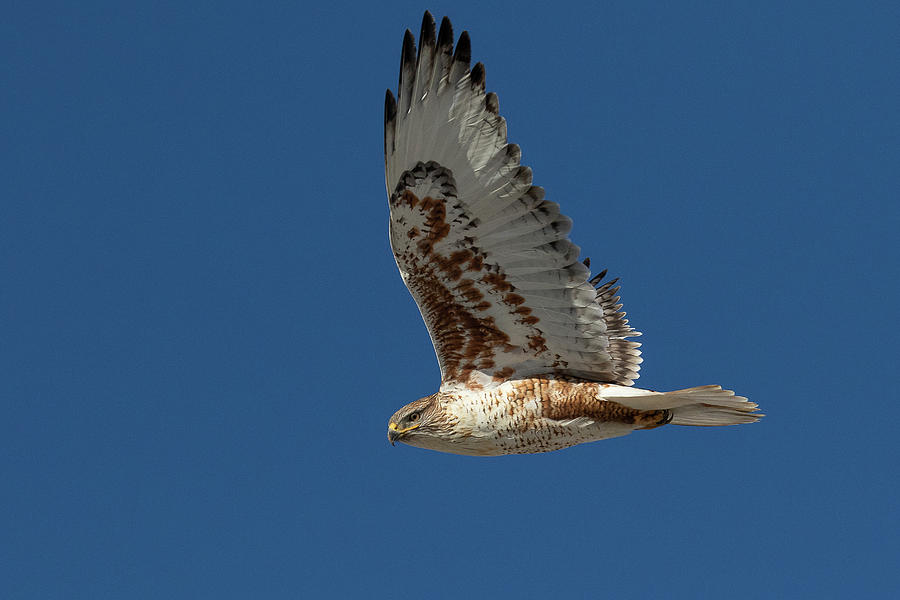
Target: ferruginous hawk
533,351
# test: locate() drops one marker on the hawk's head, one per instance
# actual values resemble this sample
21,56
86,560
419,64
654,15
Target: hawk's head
417,421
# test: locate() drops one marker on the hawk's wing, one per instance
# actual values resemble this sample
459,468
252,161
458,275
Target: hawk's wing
486,258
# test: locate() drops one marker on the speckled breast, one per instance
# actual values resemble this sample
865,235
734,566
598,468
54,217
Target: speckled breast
540,415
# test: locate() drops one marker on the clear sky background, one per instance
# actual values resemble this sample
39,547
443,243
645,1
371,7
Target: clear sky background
203,333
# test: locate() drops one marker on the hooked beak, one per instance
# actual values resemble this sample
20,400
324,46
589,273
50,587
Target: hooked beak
393,434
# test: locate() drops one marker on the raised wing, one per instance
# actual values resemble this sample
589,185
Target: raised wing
486,258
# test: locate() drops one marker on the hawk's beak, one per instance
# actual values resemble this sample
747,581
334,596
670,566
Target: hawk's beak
393,434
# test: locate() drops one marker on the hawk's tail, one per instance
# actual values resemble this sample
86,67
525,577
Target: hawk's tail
707,405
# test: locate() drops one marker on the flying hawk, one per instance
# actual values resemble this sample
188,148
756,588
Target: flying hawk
533,351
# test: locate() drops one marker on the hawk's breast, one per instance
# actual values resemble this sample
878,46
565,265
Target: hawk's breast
536,415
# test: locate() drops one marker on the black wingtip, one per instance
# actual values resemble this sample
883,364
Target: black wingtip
492,103
390,107
463,52
407,60
478,75
426,36
587,261
445,35
596,279
408,54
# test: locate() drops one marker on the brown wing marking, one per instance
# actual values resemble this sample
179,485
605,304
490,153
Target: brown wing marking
465,341
461,293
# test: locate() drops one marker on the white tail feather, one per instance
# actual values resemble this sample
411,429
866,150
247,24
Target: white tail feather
707,405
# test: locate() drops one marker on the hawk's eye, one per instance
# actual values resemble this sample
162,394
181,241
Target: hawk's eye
413,417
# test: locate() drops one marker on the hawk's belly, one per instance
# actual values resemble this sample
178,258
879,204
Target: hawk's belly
534,415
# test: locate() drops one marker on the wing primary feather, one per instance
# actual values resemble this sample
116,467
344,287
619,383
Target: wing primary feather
444,55
514,152
607,286
463,52
425,58
596,279
407,72
445,35
478,77
492,104
461,57
390,119
426,36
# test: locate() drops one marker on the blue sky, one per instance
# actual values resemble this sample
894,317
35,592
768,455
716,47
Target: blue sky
203,333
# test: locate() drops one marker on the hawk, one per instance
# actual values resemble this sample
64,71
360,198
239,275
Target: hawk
533,351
